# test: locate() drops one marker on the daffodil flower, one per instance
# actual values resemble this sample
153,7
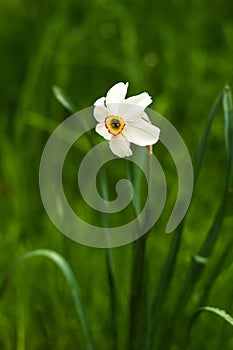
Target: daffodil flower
123,120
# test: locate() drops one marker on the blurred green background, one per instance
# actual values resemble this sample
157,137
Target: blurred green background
180,53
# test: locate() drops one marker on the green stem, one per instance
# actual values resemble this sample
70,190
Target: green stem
138,297
110,269
165,280
113,297
139,301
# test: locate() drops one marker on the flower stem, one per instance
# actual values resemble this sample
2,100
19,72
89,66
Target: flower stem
110,270
139,300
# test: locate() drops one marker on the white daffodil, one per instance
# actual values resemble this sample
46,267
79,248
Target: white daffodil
123,120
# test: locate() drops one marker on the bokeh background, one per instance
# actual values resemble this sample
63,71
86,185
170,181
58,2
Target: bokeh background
182,54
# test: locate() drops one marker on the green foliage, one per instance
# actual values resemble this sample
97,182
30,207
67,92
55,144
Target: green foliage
215,311
142,295
69,275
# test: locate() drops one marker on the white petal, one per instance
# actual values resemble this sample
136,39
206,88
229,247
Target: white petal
100,101
103,131
141,133
146,118
114,109
120,146
100,113
142,99
117,93
128,112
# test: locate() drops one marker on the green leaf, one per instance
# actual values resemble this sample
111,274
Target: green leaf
64,100
217,271
169,265
228,117
70,277
200,260
208,244
214,310
203,144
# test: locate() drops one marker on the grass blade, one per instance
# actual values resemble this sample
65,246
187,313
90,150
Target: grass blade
174,249
64,100
139,301
208,244
69,276
219,268
200,260
228,117
138,297
165,280
212,115
110,267
214,310
203,144
113,297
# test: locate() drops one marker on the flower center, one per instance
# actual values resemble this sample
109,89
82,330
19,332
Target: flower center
114,124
